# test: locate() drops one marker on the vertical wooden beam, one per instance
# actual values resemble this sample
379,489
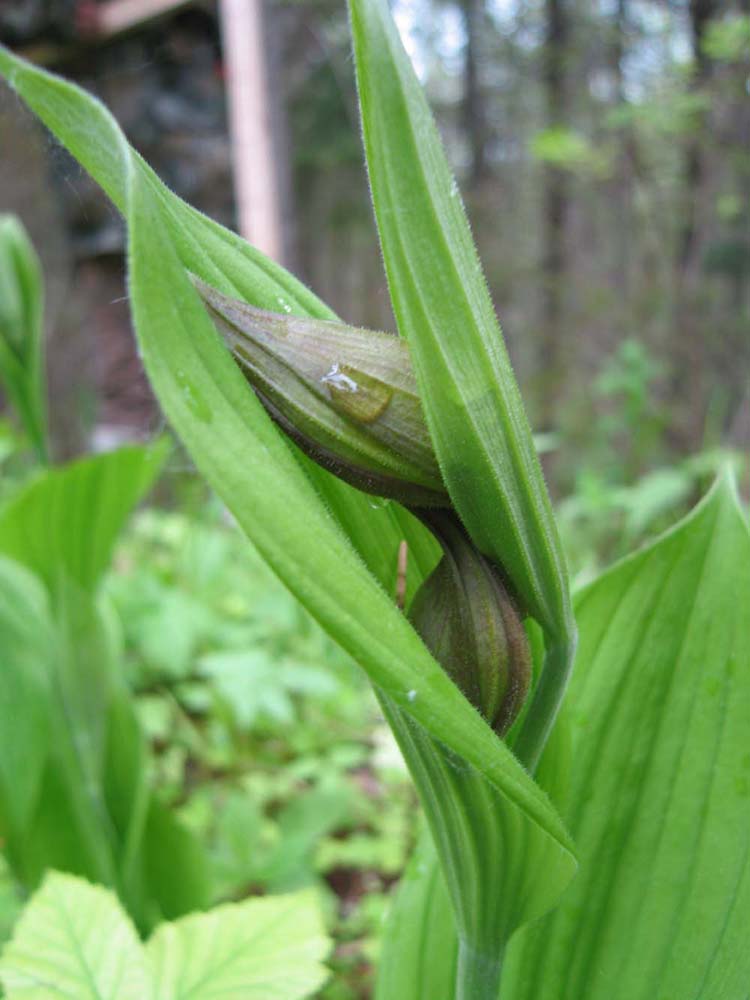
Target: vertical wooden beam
256,189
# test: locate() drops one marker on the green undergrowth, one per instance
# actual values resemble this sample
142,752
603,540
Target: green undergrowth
266,738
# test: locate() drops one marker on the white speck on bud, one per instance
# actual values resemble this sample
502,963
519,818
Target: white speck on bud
411,695
339,380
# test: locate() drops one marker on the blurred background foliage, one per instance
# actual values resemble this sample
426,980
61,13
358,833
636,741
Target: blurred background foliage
603,151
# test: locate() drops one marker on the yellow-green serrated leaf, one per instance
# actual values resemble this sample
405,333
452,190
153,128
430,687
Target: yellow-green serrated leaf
74,942
261,949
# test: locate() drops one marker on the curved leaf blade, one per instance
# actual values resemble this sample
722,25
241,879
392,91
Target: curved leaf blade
204,247
243,456
250,466
442,306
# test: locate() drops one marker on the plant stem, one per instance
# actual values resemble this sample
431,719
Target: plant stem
550,690
478,974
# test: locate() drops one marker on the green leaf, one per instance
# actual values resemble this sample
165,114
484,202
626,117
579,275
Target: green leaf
174,863
215,254
420,944
63,525
245,459
472,403
26,637
250,467
73,941
269,949
660,791
83,804
419,950
22,331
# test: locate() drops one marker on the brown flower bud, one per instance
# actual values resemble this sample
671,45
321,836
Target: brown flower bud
348,397
469,622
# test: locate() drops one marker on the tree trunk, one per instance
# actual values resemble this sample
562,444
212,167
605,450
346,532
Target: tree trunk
555,203
687,389
701,12
474,111
622,179
251,99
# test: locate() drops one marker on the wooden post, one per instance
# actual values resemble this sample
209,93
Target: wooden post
255,181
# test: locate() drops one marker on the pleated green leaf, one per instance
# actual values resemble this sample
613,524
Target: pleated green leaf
74,784
659,802
420,942
419,947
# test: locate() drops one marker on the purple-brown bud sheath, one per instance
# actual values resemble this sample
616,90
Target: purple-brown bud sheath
348,397
470,623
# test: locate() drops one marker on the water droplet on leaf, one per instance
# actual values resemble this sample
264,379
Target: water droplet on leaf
195,401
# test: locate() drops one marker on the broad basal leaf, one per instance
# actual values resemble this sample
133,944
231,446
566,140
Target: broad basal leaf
660,793
74,942
261,949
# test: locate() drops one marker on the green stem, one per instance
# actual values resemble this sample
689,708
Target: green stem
548,696
478,974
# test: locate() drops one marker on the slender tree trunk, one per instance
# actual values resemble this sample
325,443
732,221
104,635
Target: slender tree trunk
687,387
701,12
474,111
555,202
622,179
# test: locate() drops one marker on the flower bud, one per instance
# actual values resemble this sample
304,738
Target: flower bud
469,622
348,397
